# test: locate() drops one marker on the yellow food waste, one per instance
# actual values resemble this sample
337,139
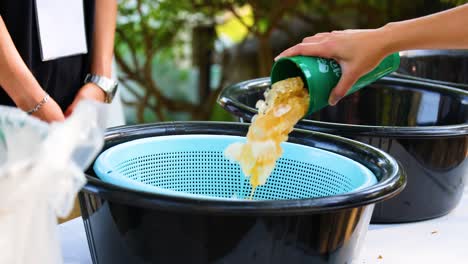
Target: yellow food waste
284,105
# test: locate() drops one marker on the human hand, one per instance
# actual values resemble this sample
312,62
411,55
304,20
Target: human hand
89,91
50,112
357,51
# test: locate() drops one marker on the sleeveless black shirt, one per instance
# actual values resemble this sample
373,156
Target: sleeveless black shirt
61,78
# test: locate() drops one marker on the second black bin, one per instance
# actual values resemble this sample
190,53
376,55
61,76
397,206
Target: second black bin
424,126
446,67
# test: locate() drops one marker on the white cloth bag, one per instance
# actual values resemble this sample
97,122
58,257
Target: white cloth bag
41,173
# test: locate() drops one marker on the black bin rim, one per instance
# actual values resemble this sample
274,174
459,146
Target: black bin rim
461,86
391,179
246,112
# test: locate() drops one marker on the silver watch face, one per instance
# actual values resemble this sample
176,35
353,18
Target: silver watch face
109,86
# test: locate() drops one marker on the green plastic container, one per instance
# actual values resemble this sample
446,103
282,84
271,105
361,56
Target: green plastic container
321,75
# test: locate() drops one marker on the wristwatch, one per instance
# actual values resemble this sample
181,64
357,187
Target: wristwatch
109,86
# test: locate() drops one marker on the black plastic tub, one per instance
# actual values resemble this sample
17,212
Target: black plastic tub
444,67
126,226
422,125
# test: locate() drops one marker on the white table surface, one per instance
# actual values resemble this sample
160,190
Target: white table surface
442,240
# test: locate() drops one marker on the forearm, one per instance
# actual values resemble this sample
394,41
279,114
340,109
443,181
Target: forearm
103,39
15,77
444,30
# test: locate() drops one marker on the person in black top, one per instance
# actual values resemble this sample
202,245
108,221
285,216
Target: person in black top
50,89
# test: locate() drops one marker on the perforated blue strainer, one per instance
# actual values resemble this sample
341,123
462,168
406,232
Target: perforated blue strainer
194,166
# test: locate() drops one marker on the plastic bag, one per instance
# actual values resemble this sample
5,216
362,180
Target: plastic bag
41,171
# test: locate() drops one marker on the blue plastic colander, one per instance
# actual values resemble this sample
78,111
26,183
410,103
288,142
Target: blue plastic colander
194,166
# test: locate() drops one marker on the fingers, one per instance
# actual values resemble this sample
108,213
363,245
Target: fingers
59,118
50,112
316,45
70,109
347,80
50,116
315,38
306,49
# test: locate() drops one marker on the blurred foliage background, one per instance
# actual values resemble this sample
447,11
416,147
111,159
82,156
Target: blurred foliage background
174,57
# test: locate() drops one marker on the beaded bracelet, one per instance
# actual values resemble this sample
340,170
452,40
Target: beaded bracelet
39,105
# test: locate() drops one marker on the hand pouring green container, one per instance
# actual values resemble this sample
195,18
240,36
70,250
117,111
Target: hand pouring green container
321,75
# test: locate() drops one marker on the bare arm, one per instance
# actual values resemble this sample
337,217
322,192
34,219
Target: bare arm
359,51
102,52
104,31
19,83
444,30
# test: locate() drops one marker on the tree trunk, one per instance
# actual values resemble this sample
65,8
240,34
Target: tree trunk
265,56
202,49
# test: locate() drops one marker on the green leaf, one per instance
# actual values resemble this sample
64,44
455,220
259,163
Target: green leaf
263,25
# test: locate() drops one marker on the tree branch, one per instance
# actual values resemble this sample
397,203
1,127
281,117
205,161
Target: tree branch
144,26
159,112
131,89
130,103
133,50
241,20
125,68
140,111
278,13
